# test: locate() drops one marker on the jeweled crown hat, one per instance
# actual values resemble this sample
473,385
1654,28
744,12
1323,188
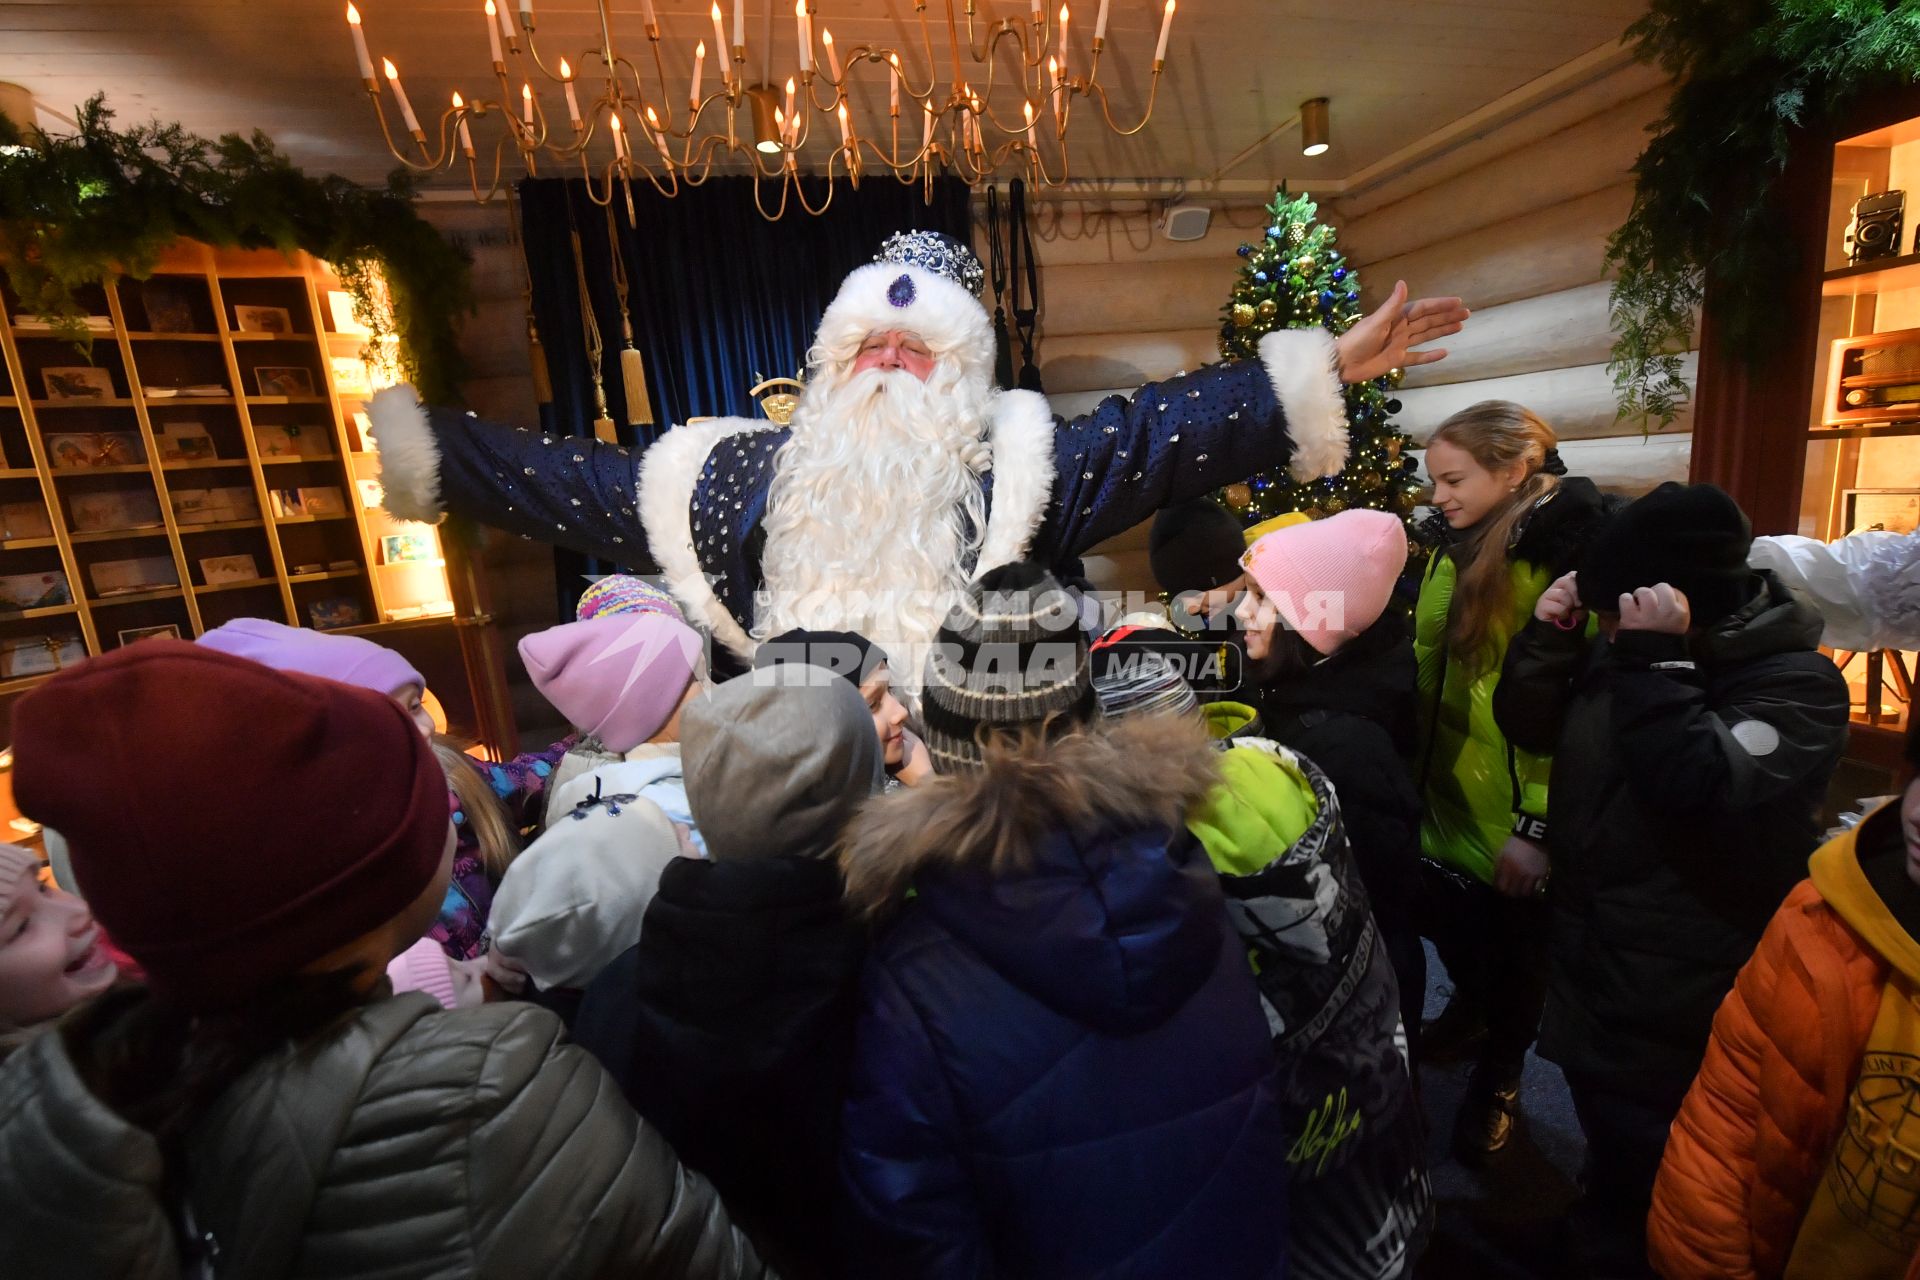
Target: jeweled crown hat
921,282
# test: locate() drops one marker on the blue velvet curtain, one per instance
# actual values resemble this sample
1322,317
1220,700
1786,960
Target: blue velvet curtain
717,293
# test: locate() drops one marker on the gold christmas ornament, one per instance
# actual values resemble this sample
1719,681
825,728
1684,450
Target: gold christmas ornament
1242,315
1334,506
1371,479
1269,309
1238,496
1393,449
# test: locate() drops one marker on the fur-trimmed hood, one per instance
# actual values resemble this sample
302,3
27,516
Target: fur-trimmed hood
1065,866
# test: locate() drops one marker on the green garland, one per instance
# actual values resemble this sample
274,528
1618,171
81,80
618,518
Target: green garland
1747,73
78,209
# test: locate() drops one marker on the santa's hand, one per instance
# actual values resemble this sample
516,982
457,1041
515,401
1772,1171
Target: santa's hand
1383,340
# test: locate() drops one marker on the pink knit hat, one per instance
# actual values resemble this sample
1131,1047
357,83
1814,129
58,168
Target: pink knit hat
348,659
1331,579
618,677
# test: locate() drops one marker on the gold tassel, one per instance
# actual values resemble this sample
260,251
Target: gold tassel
602,424
537,354
633,375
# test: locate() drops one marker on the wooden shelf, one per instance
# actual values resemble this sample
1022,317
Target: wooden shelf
51,611
47,331
218,525
403,624
20,684
123,469
135,597
1865,431
327,576
286,400
1877,275
207,464
414,564
8,402
116,535
250,336
156,335
288,459
117,402
19,473
171,402
27,544
311,519
248,585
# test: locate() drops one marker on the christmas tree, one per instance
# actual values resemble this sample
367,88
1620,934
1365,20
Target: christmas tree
1293,279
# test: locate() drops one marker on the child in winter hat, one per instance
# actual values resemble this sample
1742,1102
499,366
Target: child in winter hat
1327,580
863,664
625,593
482,797
52,956
621,679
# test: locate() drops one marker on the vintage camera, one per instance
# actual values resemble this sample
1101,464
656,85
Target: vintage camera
1875,229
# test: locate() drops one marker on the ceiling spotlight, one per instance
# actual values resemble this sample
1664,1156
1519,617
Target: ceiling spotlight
1313,127
766,130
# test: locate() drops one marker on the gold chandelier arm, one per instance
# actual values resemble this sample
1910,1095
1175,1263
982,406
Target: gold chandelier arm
1153,92
386,133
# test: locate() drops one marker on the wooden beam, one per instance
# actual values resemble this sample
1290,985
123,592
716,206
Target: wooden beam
1578,403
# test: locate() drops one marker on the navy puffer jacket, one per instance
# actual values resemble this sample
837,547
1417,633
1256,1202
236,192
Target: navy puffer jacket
1062,1068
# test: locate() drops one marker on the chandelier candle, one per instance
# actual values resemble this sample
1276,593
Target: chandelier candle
619,137
400,94
739,30
659,139
846,132
720,41
526,105
833,54
893,86
804,37
1064,47
653,19
493,37
466,139
1100,25
360,45
506,24
1166,28
699,66
573,103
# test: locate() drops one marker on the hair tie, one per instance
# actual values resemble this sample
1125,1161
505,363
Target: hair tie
1552,464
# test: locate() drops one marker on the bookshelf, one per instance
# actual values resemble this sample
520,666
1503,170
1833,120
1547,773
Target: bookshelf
201,463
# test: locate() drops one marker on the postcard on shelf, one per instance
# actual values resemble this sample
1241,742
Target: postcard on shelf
362,432
223,569
437,609
350,376
332,614
323,500
169,306
291,441
93,324
1884,510
39,655
34,590
340,304
286,504
193,506
165,631
186,442
262,319
283,380
405,612
123,577
112,509
24,520
342,566
80,382
302,570
371,493
73,451
406,548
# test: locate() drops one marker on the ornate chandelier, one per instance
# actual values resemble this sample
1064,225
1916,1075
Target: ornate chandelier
672,138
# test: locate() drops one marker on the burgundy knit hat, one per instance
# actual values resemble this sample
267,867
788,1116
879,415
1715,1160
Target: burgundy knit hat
231,824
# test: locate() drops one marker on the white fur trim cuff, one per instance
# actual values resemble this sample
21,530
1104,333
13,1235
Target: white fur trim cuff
409,455
1300,363
1020,428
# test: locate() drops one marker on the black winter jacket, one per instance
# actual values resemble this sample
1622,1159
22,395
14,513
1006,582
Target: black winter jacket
730,1027
1688,776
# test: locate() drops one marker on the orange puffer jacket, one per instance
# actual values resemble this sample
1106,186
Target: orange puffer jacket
1755,1134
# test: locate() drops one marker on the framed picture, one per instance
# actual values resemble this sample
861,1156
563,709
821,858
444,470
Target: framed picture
72,451
165,629
350,376
114,509
286,504
34,590
217,570
362,432
24,520
283,380
80,382
1894,510
123,577
186,442
291,441
406,548
334,613
340,304
323,500
262,320
169,306
39,655
371,494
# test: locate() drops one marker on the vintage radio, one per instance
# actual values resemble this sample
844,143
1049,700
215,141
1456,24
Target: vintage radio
1872,379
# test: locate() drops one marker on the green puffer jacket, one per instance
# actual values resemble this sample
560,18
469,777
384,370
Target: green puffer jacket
407,1142
1476,785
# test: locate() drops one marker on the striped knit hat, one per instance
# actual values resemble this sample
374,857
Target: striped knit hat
1010,655
1132,676
625,593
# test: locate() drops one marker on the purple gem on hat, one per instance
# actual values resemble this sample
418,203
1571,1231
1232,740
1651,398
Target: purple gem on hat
901,293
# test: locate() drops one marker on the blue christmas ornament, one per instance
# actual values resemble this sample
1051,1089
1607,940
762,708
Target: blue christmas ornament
1245,251
1326,297
1339,273
1261,276
1353,297
1273,233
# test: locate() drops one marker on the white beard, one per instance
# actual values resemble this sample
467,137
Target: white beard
875,513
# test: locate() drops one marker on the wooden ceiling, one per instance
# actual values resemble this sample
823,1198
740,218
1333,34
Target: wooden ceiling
1395,70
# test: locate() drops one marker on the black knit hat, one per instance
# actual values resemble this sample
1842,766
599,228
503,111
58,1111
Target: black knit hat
847,654
1010,655
1195,546
1693,536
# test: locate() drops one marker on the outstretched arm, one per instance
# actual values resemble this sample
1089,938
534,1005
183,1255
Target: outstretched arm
1185,437
569,491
